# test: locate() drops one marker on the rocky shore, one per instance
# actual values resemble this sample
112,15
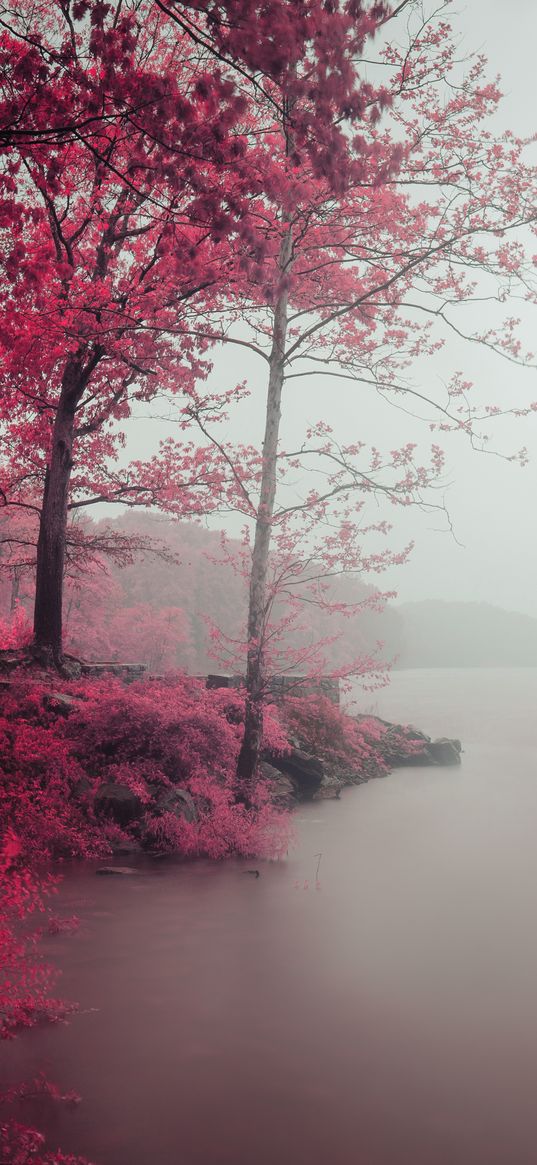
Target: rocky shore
300,776
96,766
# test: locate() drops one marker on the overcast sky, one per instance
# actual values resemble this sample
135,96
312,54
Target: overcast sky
491,502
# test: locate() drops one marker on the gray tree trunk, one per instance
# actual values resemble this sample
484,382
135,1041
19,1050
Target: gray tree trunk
257,608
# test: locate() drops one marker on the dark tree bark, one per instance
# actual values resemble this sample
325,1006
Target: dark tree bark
48,628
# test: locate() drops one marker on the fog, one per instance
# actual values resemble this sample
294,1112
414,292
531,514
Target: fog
490,553
386,1016
370,998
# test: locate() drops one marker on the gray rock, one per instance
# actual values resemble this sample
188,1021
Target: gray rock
123,849
120,870
128,672
177,801
59,703
71,669
423,753
283,788
330,790
336,775
81,789
445,752
305,771
119,803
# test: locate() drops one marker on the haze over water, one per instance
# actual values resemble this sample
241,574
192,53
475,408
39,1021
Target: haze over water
387,1018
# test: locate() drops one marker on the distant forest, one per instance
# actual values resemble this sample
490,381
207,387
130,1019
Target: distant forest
441,634
145,589
150,590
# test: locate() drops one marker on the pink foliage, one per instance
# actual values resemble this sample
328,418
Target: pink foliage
152,737
149,737
25,985
15,630
23,1146
333,735
37,776
24,981
155,736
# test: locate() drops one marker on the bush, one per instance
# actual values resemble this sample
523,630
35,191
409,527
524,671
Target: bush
156,735
152,737
340,740
15,630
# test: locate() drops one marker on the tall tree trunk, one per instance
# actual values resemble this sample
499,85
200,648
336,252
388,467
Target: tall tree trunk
257,608
48,641
52,538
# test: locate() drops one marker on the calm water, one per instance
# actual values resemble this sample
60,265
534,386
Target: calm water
388,1018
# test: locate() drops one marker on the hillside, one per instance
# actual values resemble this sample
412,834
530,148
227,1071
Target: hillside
204,582
444,634
159,606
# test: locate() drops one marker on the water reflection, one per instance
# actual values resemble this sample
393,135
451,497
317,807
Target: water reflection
386,1018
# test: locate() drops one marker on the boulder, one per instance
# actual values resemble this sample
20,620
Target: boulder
330,790
125,870
403,746
445,752
127,672
177,801
118,802
305,771
11,658
423,753
122,849
71,668
283,788
81,789
60,703
343,777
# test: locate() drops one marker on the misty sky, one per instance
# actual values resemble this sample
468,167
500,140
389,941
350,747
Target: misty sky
491,502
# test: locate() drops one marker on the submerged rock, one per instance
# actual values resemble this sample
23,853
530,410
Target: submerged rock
122,849
445,751
120,870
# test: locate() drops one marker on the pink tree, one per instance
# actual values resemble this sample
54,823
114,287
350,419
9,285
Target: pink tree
369,256
114,239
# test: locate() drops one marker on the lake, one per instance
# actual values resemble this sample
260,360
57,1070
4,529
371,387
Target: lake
387,1017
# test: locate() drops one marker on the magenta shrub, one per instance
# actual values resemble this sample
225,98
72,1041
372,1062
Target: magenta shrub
331,734
24,982
15,630
153,736
58,747
55,752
